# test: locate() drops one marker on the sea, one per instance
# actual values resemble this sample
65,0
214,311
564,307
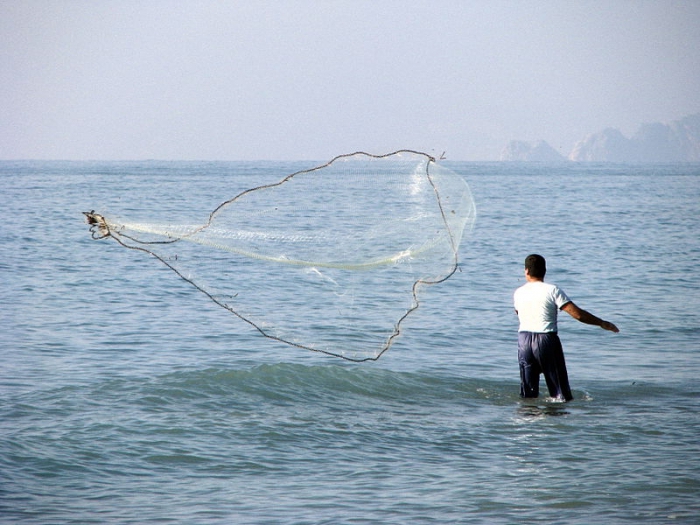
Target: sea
127,397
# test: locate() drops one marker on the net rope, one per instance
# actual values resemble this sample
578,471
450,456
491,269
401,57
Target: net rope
330,259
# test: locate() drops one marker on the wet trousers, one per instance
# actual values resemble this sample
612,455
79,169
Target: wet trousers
542,353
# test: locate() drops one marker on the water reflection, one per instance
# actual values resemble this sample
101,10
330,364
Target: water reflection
531,411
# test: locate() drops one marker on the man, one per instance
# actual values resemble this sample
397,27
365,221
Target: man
539,348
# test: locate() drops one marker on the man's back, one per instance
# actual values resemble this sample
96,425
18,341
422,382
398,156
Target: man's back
537,304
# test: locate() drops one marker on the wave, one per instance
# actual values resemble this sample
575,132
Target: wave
273,389
298,382
335,384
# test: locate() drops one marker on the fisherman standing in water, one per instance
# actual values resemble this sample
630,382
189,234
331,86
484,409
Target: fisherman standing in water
539,349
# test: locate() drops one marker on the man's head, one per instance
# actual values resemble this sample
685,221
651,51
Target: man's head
535,266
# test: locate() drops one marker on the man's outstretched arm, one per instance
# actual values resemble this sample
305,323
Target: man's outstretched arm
588,318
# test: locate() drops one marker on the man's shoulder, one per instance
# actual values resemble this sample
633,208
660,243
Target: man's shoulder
528,289
538,288
536,285
520,289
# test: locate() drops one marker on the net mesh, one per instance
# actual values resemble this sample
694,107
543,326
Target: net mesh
329,259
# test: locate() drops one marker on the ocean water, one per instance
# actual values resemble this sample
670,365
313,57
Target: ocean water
128,397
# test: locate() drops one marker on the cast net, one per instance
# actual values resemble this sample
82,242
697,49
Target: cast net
330,259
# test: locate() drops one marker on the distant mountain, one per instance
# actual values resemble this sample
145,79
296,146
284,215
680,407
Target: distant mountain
676,141
540,151
608,145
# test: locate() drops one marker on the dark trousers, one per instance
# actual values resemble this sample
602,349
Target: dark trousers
542,354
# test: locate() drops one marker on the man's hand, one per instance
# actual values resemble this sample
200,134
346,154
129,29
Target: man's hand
606,325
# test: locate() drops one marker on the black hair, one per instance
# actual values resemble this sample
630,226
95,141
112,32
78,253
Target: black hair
536,266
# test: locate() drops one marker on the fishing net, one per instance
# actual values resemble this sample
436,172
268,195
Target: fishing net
329,259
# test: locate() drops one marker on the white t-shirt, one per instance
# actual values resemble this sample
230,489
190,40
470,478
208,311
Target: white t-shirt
537,304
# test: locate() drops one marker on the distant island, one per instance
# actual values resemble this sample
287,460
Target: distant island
676,141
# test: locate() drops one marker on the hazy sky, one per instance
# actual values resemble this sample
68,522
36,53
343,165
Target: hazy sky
309,79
